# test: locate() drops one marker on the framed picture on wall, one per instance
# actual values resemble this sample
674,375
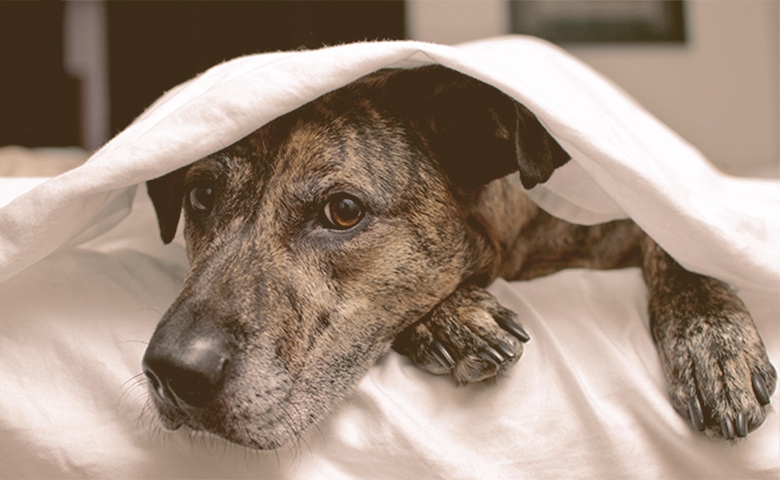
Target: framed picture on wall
600,21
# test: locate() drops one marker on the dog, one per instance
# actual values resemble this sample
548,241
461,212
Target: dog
373,218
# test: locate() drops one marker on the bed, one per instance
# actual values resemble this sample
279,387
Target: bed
84,279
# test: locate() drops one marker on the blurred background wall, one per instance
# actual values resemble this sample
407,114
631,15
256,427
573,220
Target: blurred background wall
719,89
77,72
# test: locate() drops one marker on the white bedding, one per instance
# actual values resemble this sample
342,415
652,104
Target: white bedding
586,400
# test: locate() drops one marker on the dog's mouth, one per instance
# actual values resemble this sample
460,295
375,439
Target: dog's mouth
171,419
266,430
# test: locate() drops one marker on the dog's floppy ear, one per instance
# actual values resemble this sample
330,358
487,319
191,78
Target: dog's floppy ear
167,194
480,134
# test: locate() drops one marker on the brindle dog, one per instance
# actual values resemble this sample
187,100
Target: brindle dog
374,217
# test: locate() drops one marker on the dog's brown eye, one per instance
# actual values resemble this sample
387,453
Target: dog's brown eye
343,211
202,199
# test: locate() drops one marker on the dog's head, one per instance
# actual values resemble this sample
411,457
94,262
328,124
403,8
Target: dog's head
318,238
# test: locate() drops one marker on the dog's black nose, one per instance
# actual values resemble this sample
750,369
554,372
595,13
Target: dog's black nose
191,374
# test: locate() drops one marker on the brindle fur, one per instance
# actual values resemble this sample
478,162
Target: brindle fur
281,315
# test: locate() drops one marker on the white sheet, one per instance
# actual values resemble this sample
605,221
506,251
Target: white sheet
587,399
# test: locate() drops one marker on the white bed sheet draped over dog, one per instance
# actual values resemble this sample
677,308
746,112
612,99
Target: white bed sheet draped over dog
586,400
625,163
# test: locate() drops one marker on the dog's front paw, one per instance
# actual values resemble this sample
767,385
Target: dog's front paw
468,335
719,374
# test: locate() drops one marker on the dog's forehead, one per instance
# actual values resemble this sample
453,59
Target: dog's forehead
340,134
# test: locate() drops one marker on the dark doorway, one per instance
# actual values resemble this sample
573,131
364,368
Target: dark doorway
154,46
38,100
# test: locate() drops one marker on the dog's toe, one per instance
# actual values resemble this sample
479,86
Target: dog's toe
721,383
469,336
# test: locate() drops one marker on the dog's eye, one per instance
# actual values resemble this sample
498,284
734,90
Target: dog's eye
201,199
343,211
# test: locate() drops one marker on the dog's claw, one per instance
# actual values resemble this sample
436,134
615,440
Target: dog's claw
727,428
505,350
514,328
759,388
443,356
490,354
696,414
741,425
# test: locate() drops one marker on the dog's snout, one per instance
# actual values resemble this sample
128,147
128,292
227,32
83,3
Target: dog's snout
191,374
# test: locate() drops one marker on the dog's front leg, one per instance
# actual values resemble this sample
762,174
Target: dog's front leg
717,368
469,335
